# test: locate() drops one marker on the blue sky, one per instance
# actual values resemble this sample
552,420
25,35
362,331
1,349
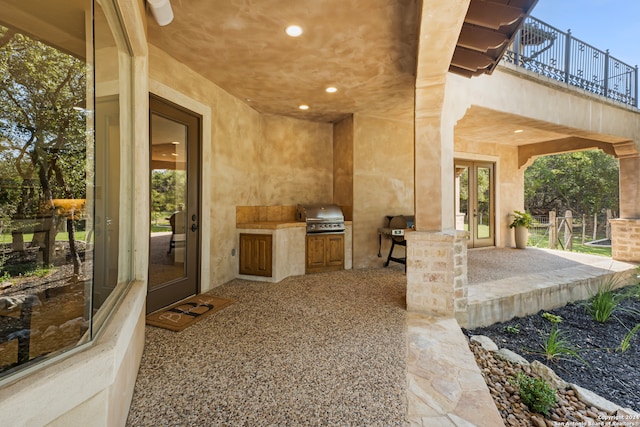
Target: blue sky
604,24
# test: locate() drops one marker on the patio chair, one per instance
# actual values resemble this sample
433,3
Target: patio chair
177,222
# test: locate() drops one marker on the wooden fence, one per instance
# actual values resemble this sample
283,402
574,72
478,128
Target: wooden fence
559,231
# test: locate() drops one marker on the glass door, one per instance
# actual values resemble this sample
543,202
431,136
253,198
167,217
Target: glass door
474,199
173,256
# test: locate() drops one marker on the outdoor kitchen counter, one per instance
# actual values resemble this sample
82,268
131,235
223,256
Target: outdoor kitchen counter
288,247
270,225
274,225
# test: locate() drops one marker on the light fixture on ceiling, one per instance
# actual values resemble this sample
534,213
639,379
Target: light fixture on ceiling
293,30
331,89
161,11
304,107
175,142
518,131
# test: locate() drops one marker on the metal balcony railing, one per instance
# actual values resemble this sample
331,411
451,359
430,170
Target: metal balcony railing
546,50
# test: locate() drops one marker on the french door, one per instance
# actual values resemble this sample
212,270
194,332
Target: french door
174,259
475,202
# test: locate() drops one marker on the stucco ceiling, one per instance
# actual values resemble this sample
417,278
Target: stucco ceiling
482,125
364,48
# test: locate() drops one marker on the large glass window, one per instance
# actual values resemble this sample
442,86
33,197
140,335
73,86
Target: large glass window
61,255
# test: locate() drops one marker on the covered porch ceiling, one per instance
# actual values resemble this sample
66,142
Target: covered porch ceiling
366,49
533,137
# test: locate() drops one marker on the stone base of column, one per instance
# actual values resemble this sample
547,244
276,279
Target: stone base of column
625,240
437,273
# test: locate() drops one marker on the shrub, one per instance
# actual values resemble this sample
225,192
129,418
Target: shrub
553,318
522,219
626,341
556,346
603,303
536,393
512,329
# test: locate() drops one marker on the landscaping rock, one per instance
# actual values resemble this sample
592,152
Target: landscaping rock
486,342
595,365
538,422
510,356
592,399
548,375
499,373
628,414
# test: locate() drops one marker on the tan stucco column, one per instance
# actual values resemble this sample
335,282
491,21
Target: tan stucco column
625,232
436,253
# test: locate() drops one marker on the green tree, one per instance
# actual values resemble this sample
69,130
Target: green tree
167,191
42,127
584,182
43,131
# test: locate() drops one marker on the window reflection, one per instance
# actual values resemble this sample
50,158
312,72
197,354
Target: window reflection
484,203
168,201
59,214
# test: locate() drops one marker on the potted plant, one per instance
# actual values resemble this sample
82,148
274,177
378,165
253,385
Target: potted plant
521,222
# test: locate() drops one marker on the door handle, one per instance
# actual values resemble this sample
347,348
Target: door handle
194,227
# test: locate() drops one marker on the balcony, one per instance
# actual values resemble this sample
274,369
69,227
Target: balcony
546,50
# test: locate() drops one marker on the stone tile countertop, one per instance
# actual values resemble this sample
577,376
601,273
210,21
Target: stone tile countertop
269,225
274,225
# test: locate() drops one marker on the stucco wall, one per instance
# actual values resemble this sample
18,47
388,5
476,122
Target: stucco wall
295,161
343,162
382,182
250,159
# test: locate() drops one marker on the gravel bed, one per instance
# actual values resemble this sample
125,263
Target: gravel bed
498,375
321,349
605,370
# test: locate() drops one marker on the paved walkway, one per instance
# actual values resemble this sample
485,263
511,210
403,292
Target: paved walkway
444,385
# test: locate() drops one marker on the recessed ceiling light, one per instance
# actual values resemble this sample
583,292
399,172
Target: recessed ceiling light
174,154
175,142
518,131
303,107
293,30
331,89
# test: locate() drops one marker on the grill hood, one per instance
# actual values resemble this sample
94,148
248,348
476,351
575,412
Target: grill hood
321,218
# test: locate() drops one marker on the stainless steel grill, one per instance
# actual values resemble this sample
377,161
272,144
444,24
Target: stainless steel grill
321,218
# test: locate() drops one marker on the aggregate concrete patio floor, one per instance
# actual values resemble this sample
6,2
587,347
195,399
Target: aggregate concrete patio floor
320,349
337,349
506,283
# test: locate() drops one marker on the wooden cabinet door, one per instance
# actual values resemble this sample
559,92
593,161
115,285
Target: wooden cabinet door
325,252
316,253
256,254
335,250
